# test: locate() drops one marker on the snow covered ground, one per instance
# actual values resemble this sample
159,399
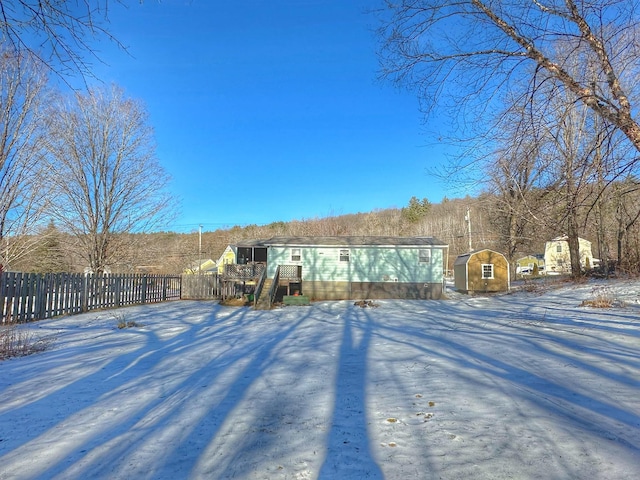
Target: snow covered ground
525,385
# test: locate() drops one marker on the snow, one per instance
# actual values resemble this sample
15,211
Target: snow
523,385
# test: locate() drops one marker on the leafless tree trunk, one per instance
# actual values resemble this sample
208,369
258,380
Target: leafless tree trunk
22,91
106,177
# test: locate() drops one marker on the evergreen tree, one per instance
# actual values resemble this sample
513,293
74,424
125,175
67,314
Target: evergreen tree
416,210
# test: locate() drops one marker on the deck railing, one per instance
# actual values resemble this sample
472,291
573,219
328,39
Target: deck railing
291,272
274,287
250,271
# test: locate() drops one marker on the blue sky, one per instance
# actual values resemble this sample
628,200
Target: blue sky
271,110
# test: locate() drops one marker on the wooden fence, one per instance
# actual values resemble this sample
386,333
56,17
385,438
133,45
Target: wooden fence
29,296
201,287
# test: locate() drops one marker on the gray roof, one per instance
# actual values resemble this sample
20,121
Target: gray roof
347,241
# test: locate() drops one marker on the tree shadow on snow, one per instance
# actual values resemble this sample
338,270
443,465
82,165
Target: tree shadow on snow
348,445
166,371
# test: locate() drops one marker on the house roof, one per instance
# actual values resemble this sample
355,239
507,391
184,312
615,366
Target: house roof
565,238
346,241
464,258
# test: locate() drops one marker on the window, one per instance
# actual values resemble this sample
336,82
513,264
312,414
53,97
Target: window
296,255
344,255
559,248
487,270
424,256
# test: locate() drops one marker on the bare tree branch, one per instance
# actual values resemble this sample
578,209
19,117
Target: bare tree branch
60,33
439,47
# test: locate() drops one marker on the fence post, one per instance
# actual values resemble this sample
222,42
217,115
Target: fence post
40,295
85,293
18,305
164,288
116,285
144,288
2,294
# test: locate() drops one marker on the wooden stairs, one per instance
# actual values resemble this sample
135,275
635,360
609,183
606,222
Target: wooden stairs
263,302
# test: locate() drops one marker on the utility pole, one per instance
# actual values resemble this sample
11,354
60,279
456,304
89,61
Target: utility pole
199,249
467,218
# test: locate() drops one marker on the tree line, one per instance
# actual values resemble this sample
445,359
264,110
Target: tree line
170,252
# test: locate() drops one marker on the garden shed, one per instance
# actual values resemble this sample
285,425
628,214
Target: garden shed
481,271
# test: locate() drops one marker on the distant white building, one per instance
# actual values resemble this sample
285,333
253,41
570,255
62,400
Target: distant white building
557,258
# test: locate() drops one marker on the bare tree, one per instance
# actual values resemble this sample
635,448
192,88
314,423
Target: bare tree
516,175
573,145
473,49
105,173
553,166
22,91
58,32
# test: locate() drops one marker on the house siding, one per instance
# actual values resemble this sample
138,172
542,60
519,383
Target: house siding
228,256
460,276
371,272
560,262
366,264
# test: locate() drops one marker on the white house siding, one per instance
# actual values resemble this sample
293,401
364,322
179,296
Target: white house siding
560,262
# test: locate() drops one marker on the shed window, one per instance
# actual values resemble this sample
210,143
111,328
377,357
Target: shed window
487,270
424,256
344,255
296,255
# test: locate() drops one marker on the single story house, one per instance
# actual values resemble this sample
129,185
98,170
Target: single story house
526,265
557,257
353,267
481,271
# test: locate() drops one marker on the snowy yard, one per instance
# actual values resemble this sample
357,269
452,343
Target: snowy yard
526,385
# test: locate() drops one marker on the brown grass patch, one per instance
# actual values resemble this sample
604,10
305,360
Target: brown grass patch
236,302
18,342
602,298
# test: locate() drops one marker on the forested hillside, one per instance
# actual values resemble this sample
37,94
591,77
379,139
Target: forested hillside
491,226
